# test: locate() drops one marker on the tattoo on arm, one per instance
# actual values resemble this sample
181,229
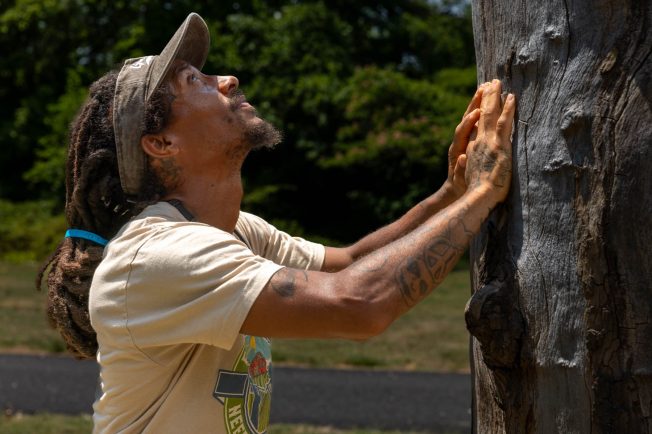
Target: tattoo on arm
416,275
484,161
284,281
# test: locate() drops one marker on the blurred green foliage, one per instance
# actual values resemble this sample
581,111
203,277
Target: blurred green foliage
367,93
30,230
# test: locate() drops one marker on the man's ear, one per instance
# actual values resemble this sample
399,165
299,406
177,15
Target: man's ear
158,146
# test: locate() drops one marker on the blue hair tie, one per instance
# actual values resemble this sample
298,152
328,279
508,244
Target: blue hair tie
78,233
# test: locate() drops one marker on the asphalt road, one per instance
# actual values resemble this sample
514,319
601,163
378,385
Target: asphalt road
340,398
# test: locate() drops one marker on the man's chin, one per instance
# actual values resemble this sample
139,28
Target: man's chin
261,134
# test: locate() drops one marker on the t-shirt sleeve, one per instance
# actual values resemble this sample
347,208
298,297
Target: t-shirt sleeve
192,284
278,246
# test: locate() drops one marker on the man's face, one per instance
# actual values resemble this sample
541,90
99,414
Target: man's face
213,114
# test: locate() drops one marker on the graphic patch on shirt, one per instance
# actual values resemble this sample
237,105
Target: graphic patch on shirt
246,391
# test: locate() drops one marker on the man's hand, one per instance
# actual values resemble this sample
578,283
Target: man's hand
489,156
455,183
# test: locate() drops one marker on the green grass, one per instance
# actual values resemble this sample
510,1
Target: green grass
22,312
45,424
431,337
58,424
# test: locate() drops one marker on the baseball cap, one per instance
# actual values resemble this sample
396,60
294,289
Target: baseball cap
137,81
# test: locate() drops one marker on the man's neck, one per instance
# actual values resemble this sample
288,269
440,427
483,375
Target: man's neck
212,200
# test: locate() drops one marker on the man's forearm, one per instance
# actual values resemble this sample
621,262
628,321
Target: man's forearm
408,269
416,216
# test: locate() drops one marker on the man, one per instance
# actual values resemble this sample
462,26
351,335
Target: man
189,290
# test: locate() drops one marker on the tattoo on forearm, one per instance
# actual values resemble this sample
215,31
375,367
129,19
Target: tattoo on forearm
284,281
416,275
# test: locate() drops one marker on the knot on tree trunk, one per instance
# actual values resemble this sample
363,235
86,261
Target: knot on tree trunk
493,318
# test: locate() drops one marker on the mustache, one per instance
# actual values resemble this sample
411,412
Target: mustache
236,97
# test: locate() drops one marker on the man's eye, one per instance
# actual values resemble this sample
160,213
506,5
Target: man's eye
192,77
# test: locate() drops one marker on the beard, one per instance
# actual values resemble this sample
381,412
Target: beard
258,133
262,135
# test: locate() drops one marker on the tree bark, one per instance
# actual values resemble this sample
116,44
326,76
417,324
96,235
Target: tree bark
562,271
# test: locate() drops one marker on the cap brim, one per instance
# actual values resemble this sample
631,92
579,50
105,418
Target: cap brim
190,42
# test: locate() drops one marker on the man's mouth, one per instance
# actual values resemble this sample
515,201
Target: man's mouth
238,100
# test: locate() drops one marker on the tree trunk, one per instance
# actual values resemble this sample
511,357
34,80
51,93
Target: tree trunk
562,272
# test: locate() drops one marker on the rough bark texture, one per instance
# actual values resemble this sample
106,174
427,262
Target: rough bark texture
561,314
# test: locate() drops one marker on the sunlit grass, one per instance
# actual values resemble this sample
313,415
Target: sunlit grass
45,423
22,312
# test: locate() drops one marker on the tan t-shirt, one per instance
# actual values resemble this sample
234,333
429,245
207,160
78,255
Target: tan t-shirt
167,303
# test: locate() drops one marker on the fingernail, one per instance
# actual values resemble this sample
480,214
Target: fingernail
510,97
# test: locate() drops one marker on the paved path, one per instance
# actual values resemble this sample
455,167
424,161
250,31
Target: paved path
341,398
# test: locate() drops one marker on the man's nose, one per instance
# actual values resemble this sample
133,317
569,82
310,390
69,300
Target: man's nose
227,84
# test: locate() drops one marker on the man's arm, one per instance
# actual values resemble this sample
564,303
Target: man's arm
337,258
364,298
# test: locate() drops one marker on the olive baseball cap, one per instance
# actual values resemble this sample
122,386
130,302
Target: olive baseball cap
137,81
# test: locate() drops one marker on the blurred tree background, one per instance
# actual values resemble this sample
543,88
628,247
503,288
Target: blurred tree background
367,93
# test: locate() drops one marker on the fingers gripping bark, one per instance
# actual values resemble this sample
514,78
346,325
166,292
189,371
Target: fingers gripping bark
505,121
489,157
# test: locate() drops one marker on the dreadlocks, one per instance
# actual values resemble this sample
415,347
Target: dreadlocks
95,202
